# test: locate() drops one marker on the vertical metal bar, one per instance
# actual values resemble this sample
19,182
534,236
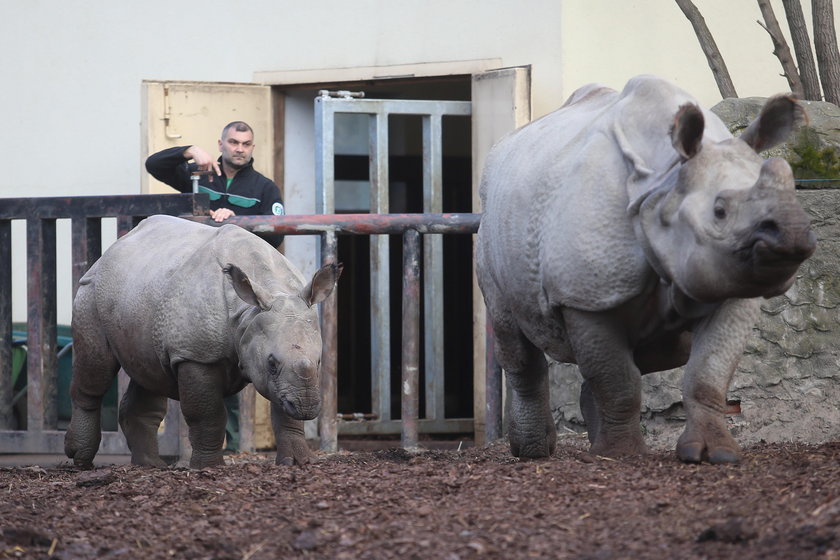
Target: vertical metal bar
325,204
124,225
170,439
324,156
122,386
380,320
87,246
328,421
184,444
493,388
42,364
247,410
410,401
433,268
6,388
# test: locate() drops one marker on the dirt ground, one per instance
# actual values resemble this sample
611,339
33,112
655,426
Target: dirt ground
781,501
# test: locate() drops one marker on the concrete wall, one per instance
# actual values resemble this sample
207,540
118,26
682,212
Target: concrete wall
74,68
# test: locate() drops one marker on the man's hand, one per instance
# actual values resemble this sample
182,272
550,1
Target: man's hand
221,214
203,160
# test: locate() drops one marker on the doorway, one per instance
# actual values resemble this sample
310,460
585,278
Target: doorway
369,358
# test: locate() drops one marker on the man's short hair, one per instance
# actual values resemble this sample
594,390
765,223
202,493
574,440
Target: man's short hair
238,126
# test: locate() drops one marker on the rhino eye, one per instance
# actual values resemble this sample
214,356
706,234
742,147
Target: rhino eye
272,363
720,210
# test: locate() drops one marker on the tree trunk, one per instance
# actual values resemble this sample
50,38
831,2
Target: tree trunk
825,44
707,43
780,47
802,48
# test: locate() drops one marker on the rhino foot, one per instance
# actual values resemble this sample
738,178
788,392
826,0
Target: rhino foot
293,451
81,460
147,460
624,445
201,462
81,441
696,447
533,444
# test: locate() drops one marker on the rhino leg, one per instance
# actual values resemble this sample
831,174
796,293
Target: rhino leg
94,368
718,343
141,413
531,428
611,394
201,391
292,448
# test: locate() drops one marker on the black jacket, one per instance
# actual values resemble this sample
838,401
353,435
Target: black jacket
250,193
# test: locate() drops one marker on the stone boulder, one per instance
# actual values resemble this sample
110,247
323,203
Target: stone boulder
813,152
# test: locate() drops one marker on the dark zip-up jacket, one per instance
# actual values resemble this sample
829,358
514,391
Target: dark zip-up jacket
250,193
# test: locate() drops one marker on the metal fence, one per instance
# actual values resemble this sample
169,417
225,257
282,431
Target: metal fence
41,215
378,111
86,213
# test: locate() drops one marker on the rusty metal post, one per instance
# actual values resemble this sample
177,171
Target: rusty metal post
493,389
87,246
328,421
410,397
6,389
42,363
126,224
247,414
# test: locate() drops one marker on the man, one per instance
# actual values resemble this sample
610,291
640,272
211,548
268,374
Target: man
234,186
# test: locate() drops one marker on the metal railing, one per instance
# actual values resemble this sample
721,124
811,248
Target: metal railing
41,214
86,213
411,227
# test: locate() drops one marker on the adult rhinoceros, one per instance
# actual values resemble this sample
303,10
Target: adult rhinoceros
630,233
193,313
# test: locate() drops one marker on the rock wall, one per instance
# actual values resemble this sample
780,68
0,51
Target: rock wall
787,386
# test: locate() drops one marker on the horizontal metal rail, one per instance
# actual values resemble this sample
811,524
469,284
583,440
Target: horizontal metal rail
42,435
353,224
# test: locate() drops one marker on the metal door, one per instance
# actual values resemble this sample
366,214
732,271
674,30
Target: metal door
327,105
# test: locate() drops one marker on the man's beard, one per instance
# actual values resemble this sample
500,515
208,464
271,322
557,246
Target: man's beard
233,165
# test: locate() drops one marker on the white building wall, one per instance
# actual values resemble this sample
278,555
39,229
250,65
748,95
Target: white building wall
72,69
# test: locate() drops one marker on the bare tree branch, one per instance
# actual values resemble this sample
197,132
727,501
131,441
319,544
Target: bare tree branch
825,44
802,47
710,49
780,47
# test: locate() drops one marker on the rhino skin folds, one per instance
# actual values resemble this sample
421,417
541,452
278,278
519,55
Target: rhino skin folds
629,233
194,313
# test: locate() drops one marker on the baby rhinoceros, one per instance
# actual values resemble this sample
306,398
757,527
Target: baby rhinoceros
194,313
631,233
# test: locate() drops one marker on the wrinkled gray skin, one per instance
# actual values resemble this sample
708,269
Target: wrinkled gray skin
193,312
630,233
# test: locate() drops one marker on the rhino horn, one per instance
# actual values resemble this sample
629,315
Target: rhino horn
779,116
322,284
687,130
776,174
245,289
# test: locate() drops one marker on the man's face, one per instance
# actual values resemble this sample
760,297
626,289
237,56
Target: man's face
237,148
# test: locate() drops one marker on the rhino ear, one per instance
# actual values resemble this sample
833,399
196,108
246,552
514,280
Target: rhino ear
687,131
244,289
322,284
779,116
